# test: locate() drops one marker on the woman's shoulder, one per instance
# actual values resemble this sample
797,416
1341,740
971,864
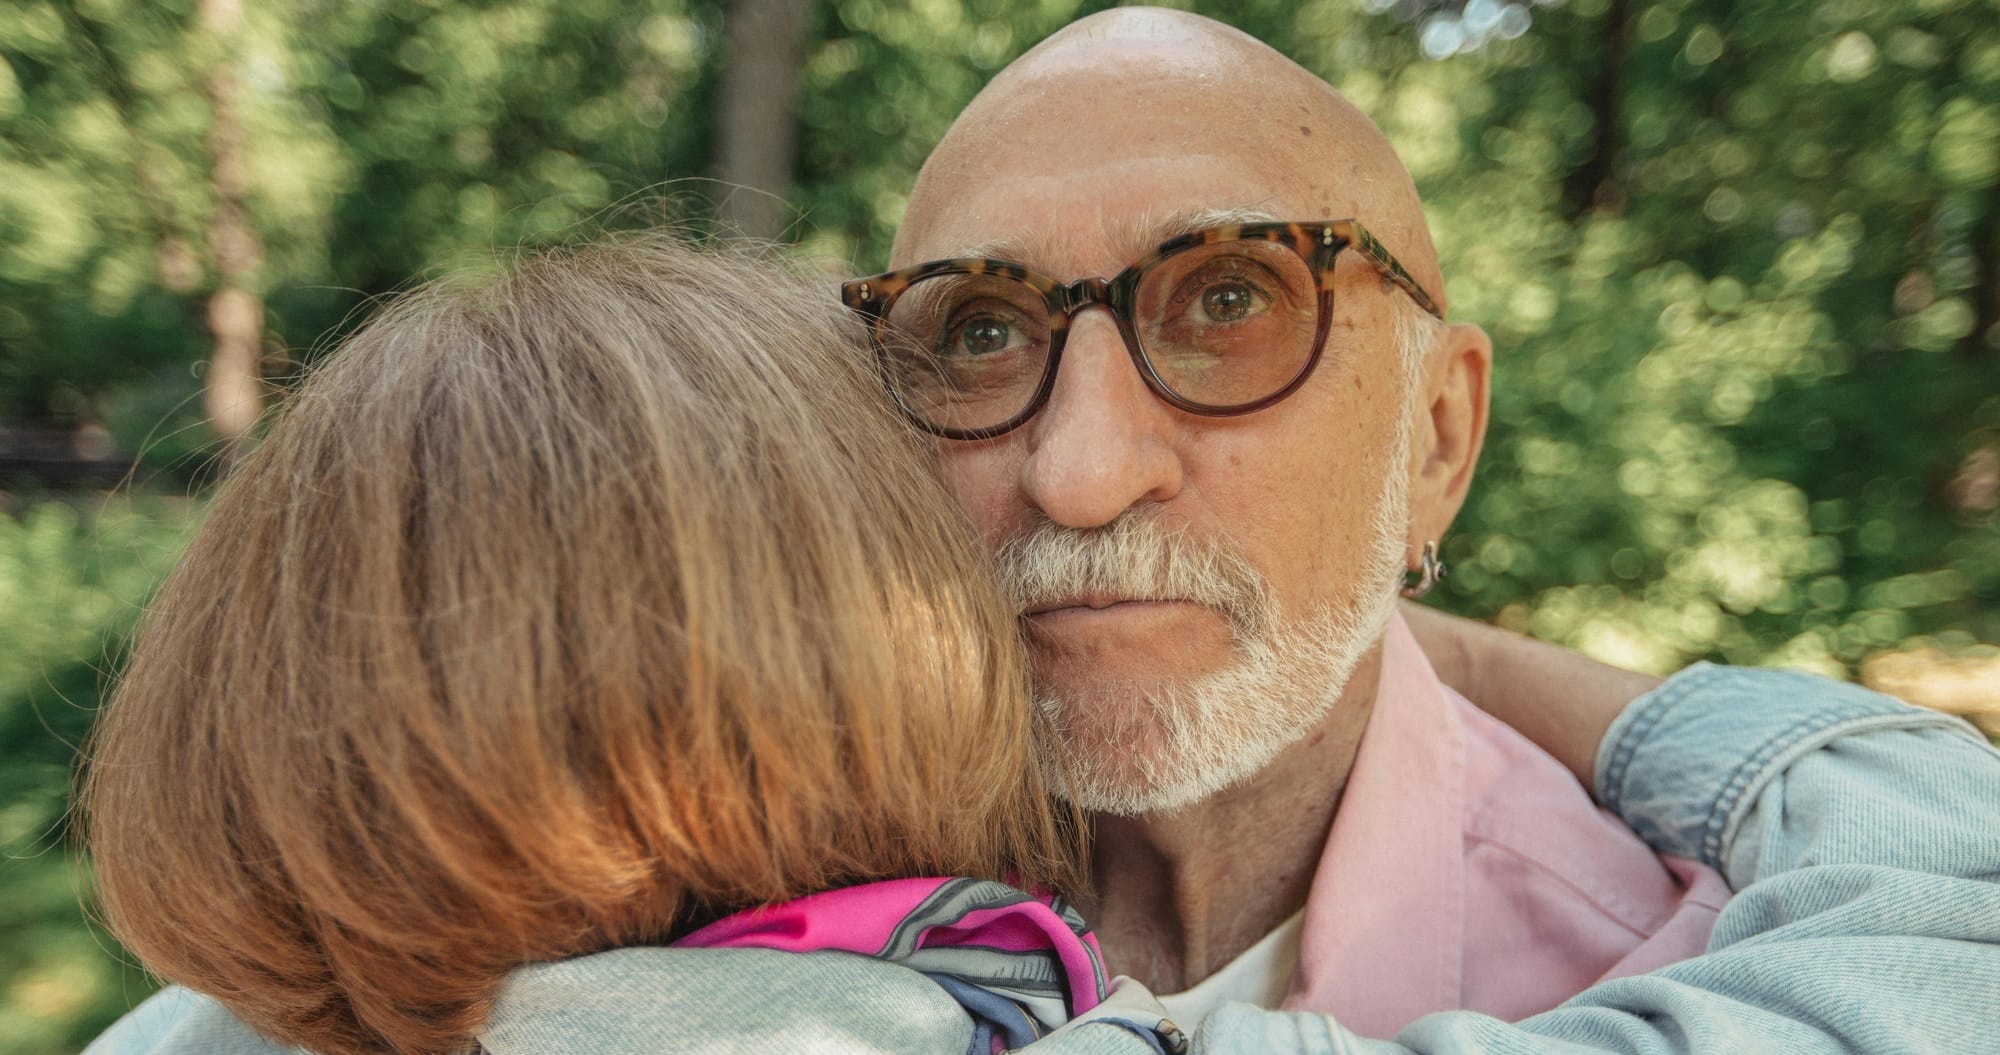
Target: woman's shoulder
638,1001
177,1021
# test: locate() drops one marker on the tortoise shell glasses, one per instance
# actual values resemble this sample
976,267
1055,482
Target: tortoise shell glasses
1222,321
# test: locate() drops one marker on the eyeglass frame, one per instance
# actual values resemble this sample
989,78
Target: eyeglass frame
1318,243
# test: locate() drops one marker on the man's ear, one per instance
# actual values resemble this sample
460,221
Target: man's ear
1450,428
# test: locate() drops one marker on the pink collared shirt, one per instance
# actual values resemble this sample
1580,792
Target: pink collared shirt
1466,868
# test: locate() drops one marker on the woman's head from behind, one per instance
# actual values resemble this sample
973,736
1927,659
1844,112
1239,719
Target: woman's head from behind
554,612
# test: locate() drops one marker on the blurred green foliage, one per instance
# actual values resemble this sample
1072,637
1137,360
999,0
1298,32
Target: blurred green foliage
72,577
1739,262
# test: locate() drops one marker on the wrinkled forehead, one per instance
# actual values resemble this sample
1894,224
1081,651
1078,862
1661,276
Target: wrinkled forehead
1085,168
1074,235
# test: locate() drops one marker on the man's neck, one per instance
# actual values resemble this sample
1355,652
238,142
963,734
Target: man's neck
1177,896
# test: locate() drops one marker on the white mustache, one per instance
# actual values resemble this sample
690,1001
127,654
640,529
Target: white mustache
1137,559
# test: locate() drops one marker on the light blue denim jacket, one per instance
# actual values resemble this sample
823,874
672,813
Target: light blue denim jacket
1862,836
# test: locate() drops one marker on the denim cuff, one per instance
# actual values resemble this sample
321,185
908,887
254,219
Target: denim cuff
1683,763
1161,1038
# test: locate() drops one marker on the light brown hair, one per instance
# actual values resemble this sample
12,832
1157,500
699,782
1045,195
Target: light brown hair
555,612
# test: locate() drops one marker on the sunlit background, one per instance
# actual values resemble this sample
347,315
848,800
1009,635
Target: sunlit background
1741,261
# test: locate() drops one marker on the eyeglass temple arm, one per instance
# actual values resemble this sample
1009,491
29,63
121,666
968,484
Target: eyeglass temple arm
1386,263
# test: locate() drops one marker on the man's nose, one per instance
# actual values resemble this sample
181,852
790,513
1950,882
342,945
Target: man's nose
1102,443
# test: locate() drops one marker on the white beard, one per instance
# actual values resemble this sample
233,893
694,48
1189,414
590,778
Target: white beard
1178,745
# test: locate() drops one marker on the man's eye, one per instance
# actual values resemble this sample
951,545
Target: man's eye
1229,302
981,336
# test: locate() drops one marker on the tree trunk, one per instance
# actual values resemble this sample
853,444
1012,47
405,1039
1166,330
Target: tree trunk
759,123
233,391
1594,184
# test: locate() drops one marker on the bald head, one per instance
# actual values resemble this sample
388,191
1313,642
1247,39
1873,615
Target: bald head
1123,125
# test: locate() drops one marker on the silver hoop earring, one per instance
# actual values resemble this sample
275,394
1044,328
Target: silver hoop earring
1429,572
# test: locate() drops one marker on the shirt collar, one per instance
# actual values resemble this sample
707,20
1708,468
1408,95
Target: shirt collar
1385,917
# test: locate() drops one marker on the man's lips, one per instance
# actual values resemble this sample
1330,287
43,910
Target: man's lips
1097,603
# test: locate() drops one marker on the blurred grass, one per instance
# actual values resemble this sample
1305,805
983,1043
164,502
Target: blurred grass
75,573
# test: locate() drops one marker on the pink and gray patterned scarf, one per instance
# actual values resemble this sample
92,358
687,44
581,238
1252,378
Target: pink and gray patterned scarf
1020,964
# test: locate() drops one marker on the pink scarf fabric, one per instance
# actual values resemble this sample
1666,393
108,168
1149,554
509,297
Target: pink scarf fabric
1020,963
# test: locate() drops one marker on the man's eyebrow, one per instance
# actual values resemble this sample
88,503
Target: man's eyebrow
1148,231
1134,236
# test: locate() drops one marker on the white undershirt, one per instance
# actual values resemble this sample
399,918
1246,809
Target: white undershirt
1260,975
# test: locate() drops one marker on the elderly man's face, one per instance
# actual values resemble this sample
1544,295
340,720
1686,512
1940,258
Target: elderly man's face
1075,163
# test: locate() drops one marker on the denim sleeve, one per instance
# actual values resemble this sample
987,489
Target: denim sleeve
1684,764
1860,835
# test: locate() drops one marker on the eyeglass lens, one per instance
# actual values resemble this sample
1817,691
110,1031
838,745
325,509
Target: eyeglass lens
1223,324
